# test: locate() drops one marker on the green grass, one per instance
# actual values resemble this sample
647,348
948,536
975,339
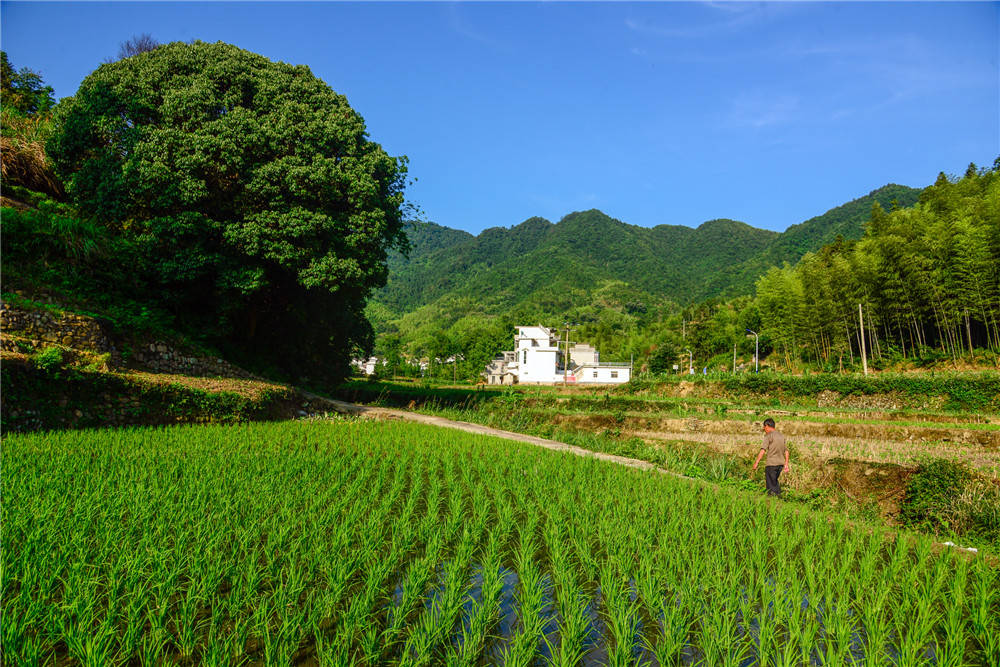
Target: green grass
628,398
961,390
680,413
396,543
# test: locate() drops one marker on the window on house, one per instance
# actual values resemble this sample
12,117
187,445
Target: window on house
614,374
525,357
595,373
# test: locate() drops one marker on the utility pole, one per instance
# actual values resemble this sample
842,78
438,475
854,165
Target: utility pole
734,357
566,327
756,350
566,357
864,355
690,361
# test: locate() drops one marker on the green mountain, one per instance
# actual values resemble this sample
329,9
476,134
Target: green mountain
846,221
554,263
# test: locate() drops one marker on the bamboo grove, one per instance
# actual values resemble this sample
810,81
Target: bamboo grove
392,543
927,278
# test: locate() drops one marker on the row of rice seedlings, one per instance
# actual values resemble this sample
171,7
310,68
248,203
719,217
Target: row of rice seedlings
483,613
357,629
356,548
420,571
570,598
984,608
274,631
524,644
430,636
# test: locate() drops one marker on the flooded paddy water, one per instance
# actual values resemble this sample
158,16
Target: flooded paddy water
841,635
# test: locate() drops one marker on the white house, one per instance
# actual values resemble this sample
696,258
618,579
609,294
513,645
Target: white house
501,370
595,372
536,352
581,353
366,366
537,359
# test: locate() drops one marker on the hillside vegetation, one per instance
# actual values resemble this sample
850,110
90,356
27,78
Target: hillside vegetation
927,276
537,260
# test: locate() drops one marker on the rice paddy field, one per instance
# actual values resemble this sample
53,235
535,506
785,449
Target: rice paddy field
389,543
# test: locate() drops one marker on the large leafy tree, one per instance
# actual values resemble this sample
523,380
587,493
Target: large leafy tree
258,206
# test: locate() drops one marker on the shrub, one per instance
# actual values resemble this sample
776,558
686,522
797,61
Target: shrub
931,494
24,160
48,360
976,510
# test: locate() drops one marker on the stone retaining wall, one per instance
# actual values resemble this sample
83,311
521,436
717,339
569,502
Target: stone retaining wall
40,326
40,329
158,356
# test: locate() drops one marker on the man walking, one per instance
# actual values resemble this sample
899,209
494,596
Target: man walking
777,457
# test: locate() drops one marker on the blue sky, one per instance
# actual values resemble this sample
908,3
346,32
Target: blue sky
655,113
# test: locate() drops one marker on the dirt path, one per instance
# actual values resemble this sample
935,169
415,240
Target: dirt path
389,413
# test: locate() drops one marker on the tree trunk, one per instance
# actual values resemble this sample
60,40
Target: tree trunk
968,332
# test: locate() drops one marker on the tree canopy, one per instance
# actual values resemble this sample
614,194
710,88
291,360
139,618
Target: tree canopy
23,90
253,196
926,277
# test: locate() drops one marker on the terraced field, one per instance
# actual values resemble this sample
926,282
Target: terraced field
357,542
878,437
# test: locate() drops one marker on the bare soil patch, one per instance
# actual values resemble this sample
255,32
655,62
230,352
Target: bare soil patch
804,428
823,448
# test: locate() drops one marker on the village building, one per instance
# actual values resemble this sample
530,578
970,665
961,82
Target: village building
537,359
499,370
366,366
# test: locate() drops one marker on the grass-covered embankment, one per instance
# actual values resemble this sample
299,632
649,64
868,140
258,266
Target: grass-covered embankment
42,392
955,390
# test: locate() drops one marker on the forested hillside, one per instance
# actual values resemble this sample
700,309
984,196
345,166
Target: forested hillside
626,286
538,260
925,271
846,221
927,277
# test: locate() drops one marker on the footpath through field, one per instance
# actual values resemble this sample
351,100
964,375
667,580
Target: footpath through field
389,413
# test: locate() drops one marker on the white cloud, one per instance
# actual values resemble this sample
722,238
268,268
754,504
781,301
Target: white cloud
460,25
728,17
758,110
